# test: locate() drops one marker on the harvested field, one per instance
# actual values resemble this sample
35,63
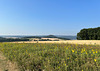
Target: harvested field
93,42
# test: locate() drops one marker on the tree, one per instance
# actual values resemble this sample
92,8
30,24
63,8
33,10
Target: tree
89,34
83,35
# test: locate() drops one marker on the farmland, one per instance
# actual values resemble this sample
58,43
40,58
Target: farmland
52,57
93,42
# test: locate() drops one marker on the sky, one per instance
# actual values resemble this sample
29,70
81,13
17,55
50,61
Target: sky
46,17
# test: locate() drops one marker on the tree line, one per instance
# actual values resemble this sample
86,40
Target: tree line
12,40
89,34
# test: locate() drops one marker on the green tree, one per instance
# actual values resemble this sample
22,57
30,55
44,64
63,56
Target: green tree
89,34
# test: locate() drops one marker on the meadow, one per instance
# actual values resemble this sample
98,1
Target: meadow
52,57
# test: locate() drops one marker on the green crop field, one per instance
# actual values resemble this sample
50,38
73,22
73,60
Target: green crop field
52,57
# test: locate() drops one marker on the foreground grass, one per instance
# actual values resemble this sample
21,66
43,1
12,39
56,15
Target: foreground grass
53,57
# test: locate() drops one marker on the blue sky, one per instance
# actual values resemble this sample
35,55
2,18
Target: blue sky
44,17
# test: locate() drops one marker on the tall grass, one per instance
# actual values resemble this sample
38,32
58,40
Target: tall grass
53,57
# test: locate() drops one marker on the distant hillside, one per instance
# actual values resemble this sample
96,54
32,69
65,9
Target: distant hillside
53,36
32,37
48,36
41,36
12,39
68,37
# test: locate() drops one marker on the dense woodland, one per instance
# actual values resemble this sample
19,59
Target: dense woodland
89,34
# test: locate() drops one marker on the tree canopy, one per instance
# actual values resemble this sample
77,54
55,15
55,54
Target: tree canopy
89,34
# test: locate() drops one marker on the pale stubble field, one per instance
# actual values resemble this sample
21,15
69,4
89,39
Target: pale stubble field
93,42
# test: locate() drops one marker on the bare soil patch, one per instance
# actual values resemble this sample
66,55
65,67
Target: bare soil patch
6,65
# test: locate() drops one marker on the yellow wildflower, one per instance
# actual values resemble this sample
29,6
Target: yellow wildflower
95,60
96,51
93,52
73,51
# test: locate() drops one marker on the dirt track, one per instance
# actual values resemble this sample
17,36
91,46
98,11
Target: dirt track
67,41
